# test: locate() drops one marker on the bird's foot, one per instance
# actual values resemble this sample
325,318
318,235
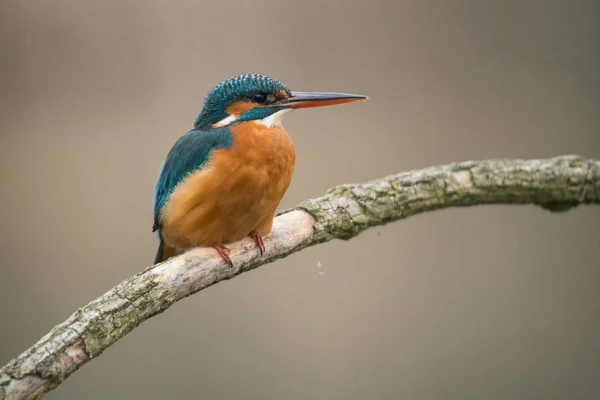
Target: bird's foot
224,253
259,242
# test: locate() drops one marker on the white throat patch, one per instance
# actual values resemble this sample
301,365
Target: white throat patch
274,119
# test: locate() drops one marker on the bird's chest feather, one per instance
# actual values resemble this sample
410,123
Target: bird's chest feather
262,158
255,172
237,191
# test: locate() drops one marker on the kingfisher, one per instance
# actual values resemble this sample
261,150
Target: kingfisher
223,180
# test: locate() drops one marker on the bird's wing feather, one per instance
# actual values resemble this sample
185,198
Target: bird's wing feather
189,153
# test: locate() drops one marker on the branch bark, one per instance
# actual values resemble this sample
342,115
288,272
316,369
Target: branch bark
555,184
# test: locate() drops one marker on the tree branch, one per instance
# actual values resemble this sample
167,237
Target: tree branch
556,184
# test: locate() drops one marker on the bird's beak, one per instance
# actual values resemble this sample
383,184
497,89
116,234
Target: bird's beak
317,99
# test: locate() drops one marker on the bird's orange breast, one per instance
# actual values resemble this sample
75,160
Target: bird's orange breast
236,193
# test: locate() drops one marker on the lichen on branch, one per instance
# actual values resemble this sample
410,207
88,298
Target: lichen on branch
555,184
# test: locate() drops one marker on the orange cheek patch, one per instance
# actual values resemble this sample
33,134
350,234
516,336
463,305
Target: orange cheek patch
281,94
240,107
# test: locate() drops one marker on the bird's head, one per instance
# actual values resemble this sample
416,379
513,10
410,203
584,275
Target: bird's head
254,97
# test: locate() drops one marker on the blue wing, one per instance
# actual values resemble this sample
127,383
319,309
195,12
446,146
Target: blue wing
190,152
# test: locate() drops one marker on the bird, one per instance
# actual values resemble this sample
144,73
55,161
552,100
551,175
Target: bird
223,180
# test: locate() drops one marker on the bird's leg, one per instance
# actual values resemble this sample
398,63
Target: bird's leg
259,242
224,253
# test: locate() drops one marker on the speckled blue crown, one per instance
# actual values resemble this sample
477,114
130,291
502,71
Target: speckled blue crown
234,89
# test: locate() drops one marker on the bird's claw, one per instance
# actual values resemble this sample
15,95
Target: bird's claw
259,242
224,253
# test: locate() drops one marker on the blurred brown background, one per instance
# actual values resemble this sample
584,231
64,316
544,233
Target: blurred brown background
489,302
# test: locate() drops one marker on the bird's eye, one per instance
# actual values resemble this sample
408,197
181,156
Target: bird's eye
259,98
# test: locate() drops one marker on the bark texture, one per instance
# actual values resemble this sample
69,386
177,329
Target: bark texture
555,184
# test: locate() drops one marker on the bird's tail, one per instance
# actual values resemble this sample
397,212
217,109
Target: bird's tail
164,252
